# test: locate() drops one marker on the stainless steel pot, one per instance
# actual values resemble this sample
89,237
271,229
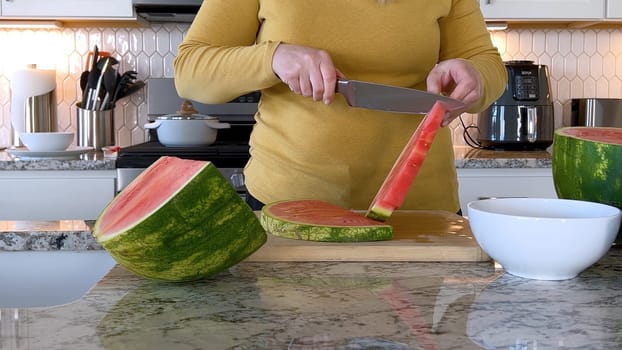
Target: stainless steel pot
596,112
186,130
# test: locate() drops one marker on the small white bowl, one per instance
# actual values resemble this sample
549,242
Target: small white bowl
46,141
540,238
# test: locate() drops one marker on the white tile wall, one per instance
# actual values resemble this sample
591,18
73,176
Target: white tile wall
149,51
582,63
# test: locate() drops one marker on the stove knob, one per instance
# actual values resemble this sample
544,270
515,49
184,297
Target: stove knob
237,179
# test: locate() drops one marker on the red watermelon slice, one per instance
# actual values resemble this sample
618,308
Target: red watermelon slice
393,191
315,220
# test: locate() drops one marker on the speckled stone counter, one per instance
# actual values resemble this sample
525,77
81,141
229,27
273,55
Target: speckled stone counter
330,306
47,235
86,161
467,157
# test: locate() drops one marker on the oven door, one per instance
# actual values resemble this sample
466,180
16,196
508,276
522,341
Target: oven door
125,176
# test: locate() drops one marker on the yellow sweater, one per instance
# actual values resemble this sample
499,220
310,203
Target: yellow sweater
301,148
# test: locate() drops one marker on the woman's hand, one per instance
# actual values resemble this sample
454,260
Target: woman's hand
458,79
307,71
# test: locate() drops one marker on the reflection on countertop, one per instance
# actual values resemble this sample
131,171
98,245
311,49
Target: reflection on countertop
322,305
334,306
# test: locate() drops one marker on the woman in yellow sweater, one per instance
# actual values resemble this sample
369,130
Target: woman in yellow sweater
307,142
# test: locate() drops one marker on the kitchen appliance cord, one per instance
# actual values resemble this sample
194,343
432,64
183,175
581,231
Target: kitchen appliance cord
468,139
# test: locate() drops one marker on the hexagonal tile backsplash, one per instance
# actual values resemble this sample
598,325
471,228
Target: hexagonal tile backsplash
582,63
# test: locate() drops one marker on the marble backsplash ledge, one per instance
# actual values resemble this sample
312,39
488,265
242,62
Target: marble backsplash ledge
582,63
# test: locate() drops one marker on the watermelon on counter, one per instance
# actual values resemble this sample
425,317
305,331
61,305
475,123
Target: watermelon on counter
315,220
180,220
587,164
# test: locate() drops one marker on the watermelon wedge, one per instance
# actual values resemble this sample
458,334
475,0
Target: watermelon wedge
179,220
393,191
315,220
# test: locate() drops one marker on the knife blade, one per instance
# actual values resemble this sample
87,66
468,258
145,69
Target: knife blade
392,98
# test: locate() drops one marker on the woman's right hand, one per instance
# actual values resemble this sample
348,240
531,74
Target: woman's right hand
307,71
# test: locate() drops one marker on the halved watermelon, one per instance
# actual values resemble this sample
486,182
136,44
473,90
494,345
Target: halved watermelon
393,191
587,164
316,220
180,220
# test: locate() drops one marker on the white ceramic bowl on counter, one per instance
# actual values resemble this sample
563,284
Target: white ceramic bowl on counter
46,141
540,238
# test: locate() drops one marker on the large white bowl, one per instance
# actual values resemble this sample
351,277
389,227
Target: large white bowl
540,238
46,141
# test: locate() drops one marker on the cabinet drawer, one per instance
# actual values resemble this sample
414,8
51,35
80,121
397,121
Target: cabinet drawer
55,195
543,9
62,9
510,182
614,9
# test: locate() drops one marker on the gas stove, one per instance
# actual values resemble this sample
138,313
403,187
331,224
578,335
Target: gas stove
229,158
229,153
221,154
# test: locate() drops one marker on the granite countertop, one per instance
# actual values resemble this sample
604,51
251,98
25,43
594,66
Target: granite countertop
465,157
71,235
331,305
86,161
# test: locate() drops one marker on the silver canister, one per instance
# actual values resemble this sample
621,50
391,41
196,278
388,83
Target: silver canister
33,101
39,115
596,112
95,128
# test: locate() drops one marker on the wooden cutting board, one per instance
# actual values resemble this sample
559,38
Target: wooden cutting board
419,235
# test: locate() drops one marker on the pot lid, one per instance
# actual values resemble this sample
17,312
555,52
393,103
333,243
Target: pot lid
187,112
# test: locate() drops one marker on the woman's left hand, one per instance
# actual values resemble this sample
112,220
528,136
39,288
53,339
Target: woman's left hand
458,79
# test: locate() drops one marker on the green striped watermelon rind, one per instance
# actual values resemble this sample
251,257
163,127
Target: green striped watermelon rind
323,232
379,213
202,230
587,164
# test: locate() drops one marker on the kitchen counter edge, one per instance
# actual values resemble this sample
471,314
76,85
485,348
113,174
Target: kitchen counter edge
465,158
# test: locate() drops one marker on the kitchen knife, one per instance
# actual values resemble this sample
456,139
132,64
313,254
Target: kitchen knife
392,98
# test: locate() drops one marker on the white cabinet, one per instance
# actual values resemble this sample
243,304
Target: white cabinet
54,194
62,9
614,9
556,10
480,183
